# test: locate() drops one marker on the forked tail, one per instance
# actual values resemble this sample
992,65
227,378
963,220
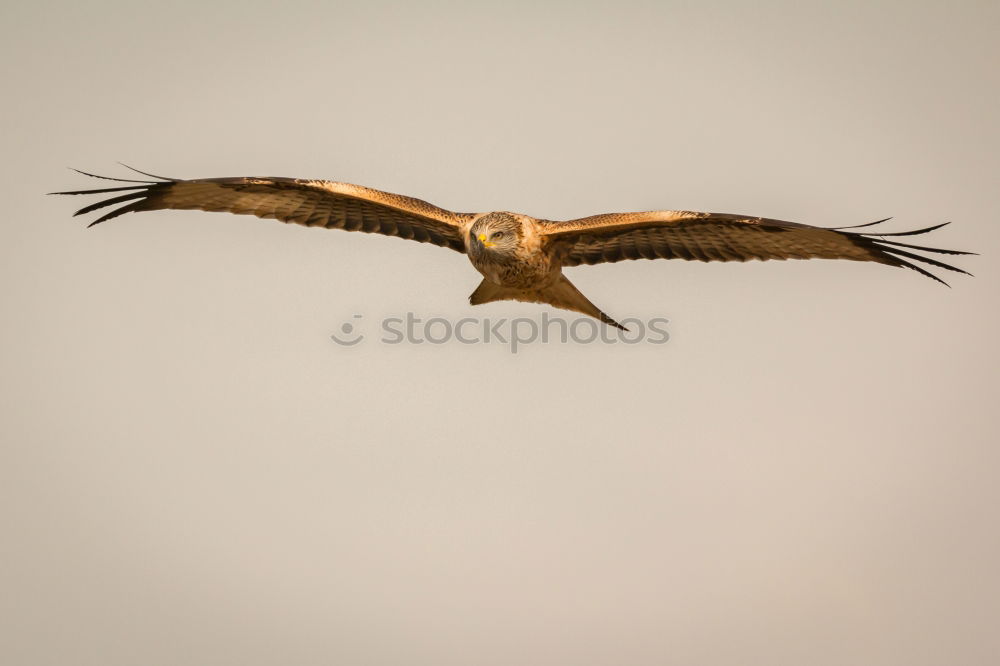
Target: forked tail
561,294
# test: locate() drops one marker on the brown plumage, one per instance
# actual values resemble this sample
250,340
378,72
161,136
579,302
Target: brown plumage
520,257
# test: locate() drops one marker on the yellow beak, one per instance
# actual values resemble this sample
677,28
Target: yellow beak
482,239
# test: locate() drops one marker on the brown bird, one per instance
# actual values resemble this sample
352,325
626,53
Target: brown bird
520,257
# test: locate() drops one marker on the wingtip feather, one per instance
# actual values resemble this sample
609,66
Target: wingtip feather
163,178
867,224
120,180
913,233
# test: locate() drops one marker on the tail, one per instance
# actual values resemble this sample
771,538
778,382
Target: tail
561,294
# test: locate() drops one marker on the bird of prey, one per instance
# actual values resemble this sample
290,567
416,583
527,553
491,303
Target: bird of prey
520,257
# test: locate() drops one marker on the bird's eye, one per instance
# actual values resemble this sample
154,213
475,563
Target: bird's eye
497,235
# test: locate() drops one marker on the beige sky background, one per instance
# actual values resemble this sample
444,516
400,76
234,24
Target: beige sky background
193,473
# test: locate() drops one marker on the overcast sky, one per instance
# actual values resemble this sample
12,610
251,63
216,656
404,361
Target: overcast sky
193,472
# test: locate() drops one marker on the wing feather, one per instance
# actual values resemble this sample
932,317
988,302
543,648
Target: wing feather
314,203
726,237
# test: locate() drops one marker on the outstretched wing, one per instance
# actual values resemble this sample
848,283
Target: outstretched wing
724,237
313,203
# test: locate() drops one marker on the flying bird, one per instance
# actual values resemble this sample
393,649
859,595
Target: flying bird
520,257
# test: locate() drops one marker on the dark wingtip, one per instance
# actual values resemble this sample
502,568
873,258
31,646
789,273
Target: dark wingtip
896,253
913,233
906,264
868,224
128,208
146,174
104,190
923,248
110,202
120,180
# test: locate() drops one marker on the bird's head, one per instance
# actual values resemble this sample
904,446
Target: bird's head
495,233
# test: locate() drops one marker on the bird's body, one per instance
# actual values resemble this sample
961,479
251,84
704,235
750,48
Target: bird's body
520,257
